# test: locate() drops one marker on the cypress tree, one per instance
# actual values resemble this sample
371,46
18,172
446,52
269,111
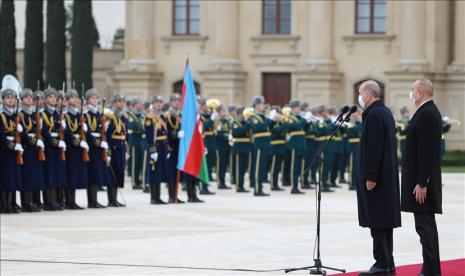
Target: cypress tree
8,37
33,45
82,44
55,66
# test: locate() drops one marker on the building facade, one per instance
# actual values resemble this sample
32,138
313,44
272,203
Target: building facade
317,51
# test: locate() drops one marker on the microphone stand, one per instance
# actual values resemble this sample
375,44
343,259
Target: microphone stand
318,268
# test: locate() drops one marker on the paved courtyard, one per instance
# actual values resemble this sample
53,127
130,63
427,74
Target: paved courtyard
228,231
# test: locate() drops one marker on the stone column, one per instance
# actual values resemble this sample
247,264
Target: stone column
320,35
412,36
459,46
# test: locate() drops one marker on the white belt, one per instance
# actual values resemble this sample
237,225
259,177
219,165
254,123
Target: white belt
32,135
95,134
130,131
10,138
54,134
76,136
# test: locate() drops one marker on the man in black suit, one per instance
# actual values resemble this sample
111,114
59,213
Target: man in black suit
378,186
421,173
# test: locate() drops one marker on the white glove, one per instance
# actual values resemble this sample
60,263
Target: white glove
181,134
40,144
272,115
288,137
18,147
205,152
106,125
84,127
20,128
62,144
308,116
230,137
104,145
214,116
168,156
127,156
154,156
63,124
84,145
218,127
108,160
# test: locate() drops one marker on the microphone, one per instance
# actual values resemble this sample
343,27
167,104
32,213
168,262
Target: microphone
343,111
353,109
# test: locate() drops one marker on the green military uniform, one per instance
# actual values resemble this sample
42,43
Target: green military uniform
240,152
209,141
344,158
445,128
325,129
278,150
127,116
223,130
402,127
337,146
353,139
311,139
137,145
260,129
297,146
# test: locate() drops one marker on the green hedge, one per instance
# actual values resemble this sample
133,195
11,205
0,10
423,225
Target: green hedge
454,158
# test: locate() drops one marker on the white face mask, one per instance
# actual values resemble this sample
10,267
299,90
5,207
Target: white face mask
410,95
361,102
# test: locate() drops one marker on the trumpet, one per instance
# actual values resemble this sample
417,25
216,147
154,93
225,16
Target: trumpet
248,112
212,104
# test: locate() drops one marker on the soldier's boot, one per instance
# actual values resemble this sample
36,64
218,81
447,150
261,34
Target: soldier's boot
14,205
93,203
155,194
54,195
26,201
3,201
204,190
172,193
192,193
259,190
115,197
48,206
73,200
110,194
68,199
36,199
60,197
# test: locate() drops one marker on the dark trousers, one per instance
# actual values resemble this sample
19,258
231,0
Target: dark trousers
222,155
211,161
259,165
137,166
240,162
296,168
335,167
276,167
425,225
382,248
327,165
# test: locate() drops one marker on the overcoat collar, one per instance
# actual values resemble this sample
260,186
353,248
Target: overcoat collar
373,105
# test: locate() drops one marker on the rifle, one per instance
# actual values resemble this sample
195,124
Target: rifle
82,134
103,135
19,154
61,133
40,151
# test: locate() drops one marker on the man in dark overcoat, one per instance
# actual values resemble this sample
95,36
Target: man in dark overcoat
378,188
421,173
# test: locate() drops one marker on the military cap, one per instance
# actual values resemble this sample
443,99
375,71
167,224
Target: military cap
91,92
403,109
239,109
117,97
258,100
147,105
318,109
232,108
26,92
71,93
304,105
332,109
50,91
8,92
294,103
61,94
174,97
135,101
157,98
38,94
219,108
276,107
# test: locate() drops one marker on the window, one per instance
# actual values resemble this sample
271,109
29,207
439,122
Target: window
177,87
370,16
276,17
186,16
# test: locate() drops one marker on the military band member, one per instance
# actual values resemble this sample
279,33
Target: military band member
325,128
209,141
260,130
296,144
223,136
231,165
138,145
128,114
278,149
353,138
97,169
55,165
241,148
336,149
32,174
76,148
117,142
309,143
10,171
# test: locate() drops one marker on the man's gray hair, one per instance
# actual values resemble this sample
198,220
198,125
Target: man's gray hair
426,86
371,86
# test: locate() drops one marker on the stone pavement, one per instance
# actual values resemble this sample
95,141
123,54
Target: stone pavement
228,231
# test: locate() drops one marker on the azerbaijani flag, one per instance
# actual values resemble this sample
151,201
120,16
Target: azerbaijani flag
191,158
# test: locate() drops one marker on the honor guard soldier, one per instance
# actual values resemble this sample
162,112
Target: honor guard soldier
77,150
55,165
296,144
402,128
260,130
209,141
117,142
173,119
325,128
278,148
241,148
128,115
232,109
39,103
223,136
97,169
32,171
11,152
137,144
353,130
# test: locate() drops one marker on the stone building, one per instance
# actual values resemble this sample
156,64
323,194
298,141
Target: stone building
318,51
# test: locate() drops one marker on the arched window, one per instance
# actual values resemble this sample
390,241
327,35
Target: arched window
370,16
357,86
186,17
177,87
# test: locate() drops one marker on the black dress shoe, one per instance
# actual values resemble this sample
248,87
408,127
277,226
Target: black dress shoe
96,205
112,204
58,207
260,194
136,187
195,200
375,271
277,189
242,190
77,207
224,187
206,192
157,202
297,192
327,190
49,207
178,202
146,190
334,185
343,181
